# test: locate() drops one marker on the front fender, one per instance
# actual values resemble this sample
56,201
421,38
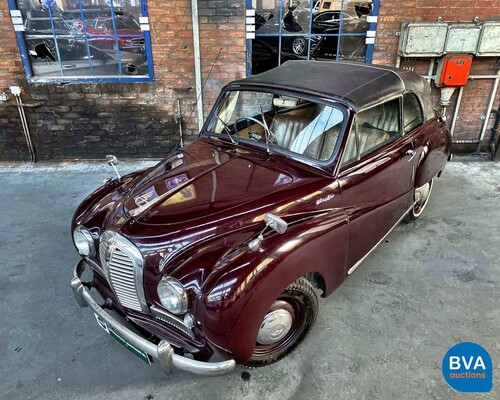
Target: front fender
244,284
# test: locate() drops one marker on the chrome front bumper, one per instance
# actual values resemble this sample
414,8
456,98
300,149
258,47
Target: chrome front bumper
163,352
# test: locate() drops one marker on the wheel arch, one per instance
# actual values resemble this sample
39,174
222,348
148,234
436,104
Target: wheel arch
235,303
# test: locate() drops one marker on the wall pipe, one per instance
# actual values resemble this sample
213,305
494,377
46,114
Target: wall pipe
26,129
488,111
197,63
431,69
455,112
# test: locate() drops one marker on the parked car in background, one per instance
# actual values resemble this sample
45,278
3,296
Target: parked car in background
74,17
73,55
47,26
292,183
101,33
291,40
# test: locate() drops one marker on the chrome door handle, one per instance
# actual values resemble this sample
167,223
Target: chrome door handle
410,153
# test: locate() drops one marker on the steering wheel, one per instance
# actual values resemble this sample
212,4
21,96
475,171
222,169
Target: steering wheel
266,129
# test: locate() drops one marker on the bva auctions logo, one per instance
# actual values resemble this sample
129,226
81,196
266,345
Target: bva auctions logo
467,367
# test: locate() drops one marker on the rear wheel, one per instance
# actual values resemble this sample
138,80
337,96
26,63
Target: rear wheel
286,324
422,195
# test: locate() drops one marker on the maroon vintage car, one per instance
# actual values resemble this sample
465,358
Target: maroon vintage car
217,252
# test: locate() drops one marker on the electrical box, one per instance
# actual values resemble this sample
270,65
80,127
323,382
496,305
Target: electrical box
463,38
489,42
453,71
422,39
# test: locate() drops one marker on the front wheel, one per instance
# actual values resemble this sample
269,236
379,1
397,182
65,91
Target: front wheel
286,324
422,195
299,46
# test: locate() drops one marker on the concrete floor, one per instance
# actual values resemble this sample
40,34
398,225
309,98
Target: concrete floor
381,335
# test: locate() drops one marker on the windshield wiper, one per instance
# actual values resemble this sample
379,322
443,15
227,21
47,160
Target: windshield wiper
226,128
267,131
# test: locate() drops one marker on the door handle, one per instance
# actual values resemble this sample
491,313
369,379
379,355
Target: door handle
410,153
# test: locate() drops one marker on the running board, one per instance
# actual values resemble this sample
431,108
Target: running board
353,268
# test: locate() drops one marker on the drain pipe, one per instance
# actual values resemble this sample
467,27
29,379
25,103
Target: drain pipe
16,92
494,132
488,111
197,62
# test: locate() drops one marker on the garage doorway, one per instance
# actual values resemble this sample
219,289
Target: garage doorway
282,30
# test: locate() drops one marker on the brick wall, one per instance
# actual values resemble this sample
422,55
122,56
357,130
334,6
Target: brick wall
476,93
129,120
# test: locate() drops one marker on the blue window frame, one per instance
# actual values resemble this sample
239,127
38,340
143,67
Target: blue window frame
310,30
84,40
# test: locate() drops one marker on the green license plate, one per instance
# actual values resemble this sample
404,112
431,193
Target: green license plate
130,347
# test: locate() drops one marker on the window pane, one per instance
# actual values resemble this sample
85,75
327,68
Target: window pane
377,126
289,123
412,112
74,39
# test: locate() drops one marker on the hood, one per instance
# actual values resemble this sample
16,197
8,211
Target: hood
201,181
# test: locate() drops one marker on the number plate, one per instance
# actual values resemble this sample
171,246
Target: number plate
130,347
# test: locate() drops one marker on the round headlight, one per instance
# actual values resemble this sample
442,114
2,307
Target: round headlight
84,241
172,295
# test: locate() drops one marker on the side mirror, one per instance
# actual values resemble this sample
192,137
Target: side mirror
276,223
272,221
111,160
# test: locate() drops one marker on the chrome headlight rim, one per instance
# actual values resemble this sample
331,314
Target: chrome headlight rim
172,295
84,241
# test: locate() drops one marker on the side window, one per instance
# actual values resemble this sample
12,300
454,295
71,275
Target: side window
412,112
372,129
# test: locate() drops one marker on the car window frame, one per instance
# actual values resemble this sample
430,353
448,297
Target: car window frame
314,162
422,114
362,157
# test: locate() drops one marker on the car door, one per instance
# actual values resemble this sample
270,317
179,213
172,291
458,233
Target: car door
375,176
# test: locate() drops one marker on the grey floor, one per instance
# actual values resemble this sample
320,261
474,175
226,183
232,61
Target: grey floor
381,335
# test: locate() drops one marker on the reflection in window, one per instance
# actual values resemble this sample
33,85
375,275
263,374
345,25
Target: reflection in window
73,39
307,29
279,122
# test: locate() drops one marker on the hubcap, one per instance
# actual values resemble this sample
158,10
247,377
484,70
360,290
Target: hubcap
299,46
275,327
421,197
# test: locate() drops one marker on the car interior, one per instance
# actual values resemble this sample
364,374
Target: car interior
297,125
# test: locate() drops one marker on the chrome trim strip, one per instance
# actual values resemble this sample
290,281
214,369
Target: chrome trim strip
353,268
171,320
163,353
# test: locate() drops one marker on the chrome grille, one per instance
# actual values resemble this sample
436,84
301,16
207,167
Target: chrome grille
123,265
171,320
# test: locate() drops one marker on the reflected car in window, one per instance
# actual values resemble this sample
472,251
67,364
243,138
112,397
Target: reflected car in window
74,58
215,255
129,35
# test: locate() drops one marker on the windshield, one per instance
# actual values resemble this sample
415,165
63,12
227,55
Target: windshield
279,122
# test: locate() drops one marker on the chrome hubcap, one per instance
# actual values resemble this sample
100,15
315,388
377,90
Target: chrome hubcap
298,46
275,327
422,193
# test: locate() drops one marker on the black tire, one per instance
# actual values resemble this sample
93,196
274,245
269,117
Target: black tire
420,202
299,46
300,301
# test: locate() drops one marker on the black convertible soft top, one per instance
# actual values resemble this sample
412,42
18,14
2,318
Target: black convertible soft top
359,85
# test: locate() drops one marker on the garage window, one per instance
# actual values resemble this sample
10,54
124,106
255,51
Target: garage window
310,30
81,40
